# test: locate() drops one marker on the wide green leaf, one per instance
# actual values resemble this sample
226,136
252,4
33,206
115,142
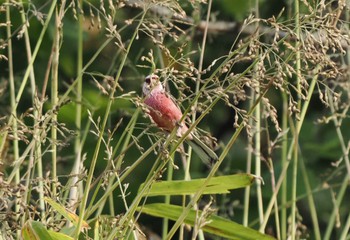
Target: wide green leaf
216,185
215,225
33,230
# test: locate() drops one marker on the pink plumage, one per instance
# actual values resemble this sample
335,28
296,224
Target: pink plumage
167,115
163,111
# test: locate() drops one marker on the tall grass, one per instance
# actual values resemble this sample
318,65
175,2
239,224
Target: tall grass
73,158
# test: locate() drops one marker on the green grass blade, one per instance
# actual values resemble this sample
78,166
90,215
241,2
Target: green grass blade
215,225
59,236
217,185
67,214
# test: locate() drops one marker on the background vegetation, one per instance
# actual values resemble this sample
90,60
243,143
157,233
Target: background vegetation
265,83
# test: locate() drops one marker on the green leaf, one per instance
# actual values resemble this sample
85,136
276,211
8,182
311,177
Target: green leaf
221,184
59,236
66,213
33,230
96,231
215,225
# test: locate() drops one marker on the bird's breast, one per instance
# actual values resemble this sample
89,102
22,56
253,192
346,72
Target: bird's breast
163,110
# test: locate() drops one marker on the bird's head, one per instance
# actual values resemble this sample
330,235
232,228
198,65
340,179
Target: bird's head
152,84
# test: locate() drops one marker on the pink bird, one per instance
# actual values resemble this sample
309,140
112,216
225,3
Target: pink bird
167,115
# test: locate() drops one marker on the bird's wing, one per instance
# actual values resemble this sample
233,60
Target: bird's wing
207,155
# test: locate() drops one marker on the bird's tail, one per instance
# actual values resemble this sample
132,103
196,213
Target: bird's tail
204,152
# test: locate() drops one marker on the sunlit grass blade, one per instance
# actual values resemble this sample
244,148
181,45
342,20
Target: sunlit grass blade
66,213
217,185
59,236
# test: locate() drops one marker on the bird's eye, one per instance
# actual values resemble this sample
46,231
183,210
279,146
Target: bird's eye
148,80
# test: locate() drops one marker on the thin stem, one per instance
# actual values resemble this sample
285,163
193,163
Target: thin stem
337,125
290,150
277,217
54,100
198,82
156,168
294,186
37,113
257,151
74,193
48,118
273,180
311,201
248,170
257,138
250,151
201,59
125,138
122,178
345,153
103,125
13,106
54,91
296,133
28,70
37,154
215,167
337,203
284,163
165,226
345,233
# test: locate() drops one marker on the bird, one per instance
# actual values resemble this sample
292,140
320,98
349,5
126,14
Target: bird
167,115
